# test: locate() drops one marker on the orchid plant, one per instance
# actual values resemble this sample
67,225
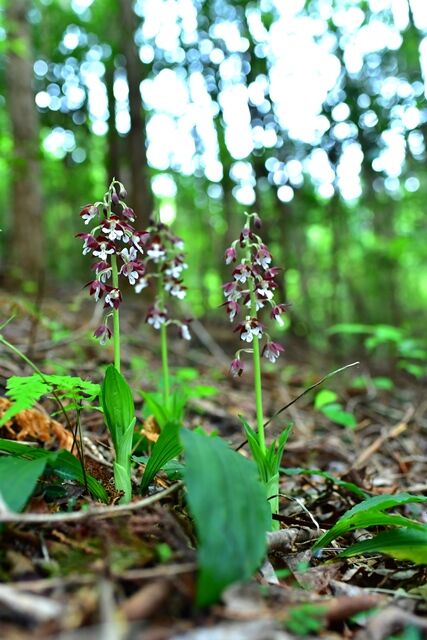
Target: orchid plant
118,250
251,291
164,264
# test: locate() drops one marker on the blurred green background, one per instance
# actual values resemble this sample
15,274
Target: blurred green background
311,113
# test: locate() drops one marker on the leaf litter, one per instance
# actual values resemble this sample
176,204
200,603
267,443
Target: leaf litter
129,571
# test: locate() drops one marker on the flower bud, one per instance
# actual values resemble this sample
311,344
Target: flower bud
230,255
257,221
236,367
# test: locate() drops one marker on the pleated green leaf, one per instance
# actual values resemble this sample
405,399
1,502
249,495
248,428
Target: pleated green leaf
117,404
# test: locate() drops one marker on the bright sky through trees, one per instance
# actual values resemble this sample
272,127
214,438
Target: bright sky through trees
303,69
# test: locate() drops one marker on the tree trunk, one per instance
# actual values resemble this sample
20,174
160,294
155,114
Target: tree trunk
25,258
140,192
113,140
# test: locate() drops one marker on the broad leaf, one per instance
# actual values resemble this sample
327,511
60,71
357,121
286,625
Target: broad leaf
337,414
18,479
117,403
401,544
167,447
231,513
370,513
325,396
61,462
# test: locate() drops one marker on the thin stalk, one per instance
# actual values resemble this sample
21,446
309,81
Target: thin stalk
116,317
165,364
257,376
164,348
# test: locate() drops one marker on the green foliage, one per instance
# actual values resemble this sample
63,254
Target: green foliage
167,447
411,353
25,474
325,402
306,619
403,544
25,391
382,383
154,405
119,412
269,463
371,512
324,397
230,510
174,410
61,462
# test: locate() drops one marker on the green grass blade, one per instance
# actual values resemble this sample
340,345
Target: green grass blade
167,447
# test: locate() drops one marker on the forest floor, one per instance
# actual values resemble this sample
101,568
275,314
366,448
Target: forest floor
131,573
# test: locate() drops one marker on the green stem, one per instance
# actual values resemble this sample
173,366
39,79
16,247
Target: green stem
165,364
257,376
164,346
116,318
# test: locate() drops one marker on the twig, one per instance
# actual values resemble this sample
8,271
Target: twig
310,388
103,512
399,428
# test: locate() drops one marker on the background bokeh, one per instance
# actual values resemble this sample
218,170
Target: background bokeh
311,113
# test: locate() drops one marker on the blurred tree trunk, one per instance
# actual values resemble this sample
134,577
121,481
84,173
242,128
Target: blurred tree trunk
113,140
140,192
25,260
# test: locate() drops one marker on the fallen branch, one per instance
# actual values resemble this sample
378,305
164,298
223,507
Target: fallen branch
7,516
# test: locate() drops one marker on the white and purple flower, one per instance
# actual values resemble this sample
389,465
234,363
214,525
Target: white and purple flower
103,334
156,316
272,351
236,367
89,212
249,329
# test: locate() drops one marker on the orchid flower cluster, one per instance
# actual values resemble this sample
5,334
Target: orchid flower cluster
164,262
137,256
118,250
252,288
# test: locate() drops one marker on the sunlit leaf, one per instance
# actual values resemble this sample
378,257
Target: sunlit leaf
324,397
337,414
401,544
